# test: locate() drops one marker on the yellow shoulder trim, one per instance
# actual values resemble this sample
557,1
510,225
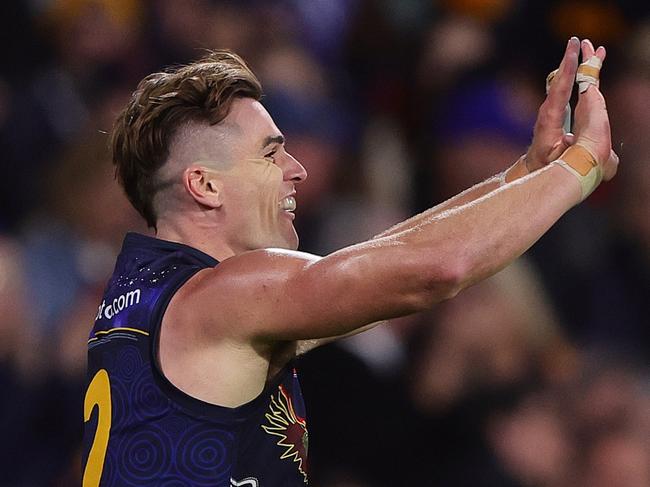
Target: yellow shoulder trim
119,328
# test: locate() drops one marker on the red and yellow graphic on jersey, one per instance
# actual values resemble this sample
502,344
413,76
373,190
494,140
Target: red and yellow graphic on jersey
290,428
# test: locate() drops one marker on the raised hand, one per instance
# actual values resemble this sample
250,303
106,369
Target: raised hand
549,139
592,130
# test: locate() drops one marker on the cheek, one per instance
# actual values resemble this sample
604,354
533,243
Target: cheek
256,189
259,198
272,183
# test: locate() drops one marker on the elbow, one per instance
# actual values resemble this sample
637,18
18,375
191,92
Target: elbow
439,282
448,279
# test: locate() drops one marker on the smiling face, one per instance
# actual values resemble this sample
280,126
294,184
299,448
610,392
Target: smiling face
253,176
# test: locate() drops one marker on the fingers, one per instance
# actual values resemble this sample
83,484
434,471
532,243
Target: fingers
559,92
591,118
589,71
587,49
569,62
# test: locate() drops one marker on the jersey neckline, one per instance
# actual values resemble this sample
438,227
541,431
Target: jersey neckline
138,240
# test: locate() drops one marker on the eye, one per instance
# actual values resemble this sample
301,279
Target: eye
271,155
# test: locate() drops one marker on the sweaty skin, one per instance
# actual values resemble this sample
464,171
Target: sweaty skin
231,327
269,177
264,199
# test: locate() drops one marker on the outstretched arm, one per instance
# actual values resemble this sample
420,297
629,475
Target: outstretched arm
269,295
293,296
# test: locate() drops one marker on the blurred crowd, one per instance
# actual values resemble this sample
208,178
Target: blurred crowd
539,376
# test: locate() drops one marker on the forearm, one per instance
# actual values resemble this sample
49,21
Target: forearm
480,237
514,172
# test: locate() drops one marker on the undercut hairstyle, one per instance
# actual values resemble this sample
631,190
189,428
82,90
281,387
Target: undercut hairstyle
202,91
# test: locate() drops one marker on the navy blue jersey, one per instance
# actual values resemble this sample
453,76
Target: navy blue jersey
140,430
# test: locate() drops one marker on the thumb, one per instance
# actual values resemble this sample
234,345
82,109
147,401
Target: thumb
561,145
569,139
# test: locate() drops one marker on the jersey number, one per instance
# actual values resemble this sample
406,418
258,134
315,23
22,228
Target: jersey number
98,394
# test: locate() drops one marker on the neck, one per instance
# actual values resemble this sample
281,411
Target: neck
189,232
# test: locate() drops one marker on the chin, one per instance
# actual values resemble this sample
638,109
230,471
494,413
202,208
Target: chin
282,238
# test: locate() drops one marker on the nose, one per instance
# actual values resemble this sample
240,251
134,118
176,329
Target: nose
293,170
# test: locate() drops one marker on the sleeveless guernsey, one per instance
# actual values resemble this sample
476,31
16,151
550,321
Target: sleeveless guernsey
140,430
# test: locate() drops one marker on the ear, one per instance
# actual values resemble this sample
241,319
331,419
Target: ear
204,186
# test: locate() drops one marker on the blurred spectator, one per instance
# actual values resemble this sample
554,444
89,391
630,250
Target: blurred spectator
182,29
532,443
72,246
612,418
497,334
478,353
18,338
482,125
592,431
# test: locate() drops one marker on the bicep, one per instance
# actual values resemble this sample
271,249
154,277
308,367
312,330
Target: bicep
283,295
351,289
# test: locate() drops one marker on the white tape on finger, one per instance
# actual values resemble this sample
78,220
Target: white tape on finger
588,73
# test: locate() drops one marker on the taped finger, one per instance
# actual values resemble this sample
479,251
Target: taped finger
588,73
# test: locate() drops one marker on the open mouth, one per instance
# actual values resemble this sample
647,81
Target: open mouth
288,203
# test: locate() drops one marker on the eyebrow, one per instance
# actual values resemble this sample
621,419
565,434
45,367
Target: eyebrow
272,139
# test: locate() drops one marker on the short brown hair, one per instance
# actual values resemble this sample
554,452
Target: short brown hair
202,91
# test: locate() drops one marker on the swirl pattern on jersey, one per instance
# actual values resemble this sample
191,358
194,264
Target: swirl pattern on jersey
145,455
203,454
175,425
120,402
128,363
146,399
175,482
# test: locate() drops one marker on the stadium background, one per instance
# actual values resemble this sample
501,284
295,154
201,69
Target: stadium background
538,377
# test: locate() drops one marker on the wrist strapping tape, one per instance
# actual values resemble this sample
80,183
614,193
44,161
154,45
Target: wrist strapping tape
588,73
517,170
584,166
